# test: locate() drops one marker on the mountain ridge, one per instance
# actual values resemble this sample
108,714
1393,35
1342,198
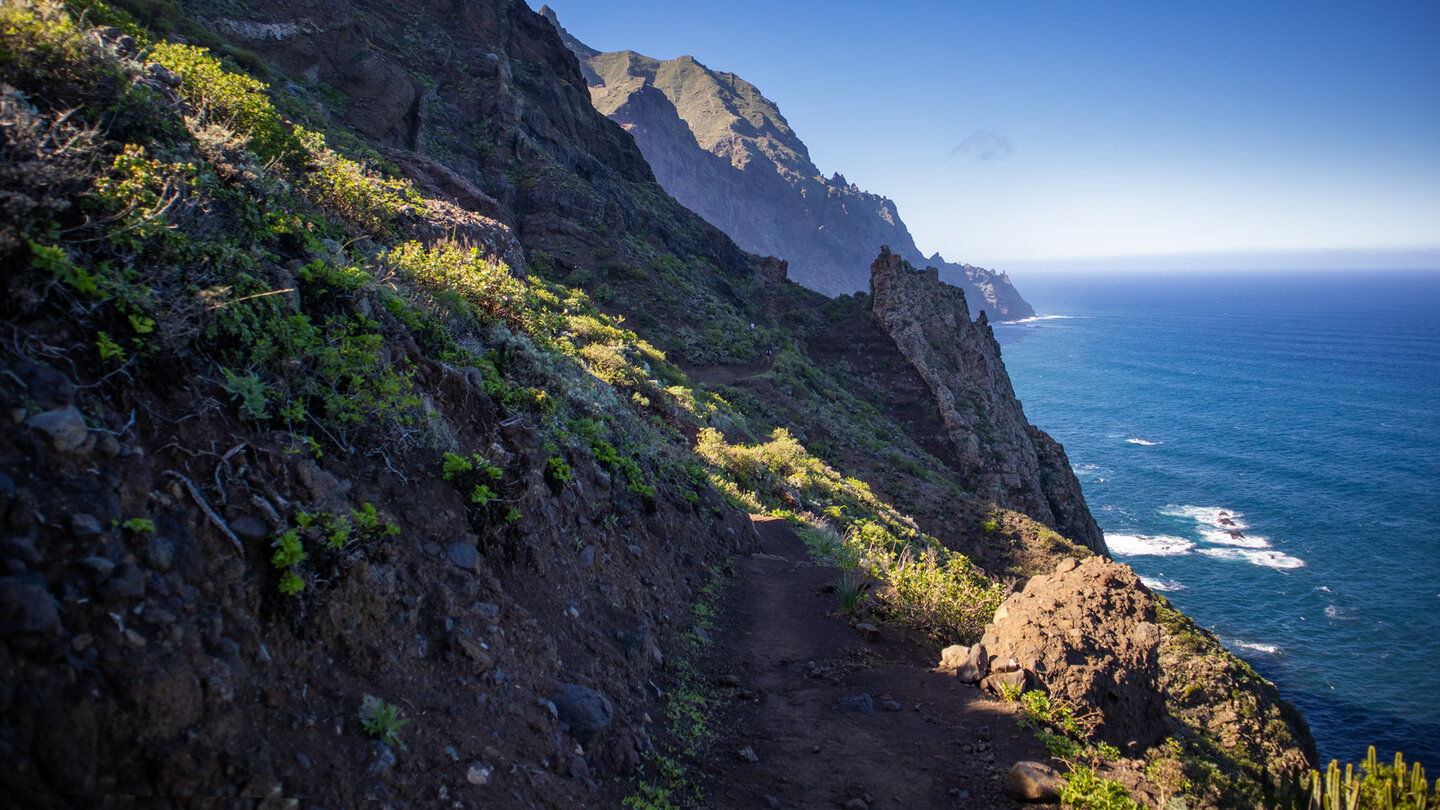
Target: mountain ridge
724,150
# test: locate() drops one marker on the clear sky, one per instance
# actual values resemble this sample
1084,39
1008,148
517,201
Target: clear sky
1037,134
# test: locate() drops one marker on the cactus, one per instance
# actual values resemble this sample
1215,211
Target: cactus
1383,787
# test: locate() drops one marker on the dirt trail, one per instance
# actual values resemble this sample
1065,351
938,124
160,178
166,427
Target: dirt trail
930,742
727,374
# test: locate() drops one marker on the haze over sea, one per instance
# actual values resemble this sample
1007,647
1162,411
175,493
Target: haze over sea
1303,409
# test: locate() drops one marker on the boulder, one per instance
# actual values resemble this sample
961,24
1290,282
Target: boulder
64,428
584,710
969,663
26,607
1087,635
997,683
974,667
953,656
1034,782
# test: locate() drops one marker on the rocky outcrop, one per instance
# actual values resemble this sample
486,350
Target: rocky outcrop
1087,634
1003,458
723,149
1091,634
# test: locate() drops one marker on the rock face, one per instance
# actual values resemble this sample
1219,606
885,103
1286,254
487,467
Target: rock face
1003,457
1088,634
725,151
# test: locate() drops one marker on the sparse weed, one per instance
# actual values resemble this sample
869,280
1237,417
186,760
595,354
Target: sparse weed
383,721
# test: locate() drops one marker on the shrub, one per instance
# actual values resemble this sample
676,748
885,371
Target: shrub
1086,791
230,99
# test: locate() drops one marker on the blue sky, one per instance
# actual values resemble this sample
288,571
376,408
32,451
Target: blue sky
1037,135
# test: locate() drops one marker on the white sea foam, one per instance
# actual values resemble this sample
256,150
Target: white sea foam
1038,318
1209,516
1264,557
1162,585
1144,443
1144,545
1268,649
1223,537
1339,613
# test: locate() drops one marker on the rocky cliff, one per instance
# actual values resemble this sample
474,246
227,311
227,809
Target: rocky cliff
1004,458
725,151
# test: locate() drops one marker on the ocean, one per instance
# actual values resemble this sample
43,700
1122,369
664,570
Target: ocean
1265,451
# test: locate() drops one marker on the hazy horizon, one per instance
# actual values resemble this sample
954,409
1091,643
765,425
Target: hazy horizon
1268,262
1044,134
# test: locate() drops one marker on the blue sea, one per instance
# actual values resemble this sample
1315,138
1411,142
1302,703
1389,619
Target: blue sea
1265,451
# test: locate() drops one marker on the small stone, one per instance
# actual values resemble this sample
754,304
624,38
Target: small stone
478,774
869,632
22,549
747,754
384,760
26,607
85,526
772,802
728,680
587,556
487,609
249,528
862,703
126,582
1066,565
159,552
106,443
1034,782
891,705
463,555
452,752
856,803
64,428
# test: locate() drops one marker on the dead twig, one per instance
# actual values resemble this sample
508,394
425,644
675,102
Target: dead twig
209,513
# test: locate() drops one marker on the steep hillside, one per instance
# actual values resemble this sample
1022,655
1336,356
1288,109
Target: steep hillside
381,432
725,151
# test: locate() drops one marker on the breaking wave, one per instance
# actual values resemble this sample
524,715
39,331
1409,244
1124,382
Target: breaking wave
1213,516
1138,545
1263,557
1163,585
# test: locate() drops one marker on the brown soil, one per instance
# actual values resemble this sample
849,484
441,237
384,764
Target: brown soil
795,658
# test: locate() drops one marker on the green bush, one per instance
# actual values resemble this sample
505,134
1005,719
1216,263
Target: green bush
1085,791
